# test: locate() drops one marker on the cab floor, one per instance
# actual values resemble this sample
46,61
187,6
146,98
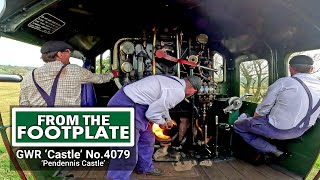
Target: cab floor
222,170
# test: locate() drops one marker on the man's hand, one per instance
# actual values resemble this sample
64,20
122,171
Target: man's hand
115,73
163,126
166,125
256,114
169,124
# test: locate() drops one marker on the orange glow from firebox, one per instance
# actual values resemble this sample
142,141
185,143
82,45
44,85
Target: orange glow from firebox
159,132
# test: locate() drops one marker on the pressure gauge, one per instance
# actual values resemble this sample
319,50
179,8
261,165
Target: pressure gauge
127,47
202,38
126,67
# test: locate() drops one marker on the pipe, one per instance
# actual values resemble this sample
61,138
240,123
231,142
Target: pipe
115,60
198,127
154,48
9,150
178,53
10,78
192,114
205,135
217,135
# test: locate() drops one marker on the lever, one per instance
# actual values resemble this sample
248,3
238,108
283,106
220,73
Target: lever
161,54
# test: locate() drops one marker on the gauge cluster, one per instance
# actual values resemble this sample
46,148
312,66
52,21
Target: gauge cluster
158,53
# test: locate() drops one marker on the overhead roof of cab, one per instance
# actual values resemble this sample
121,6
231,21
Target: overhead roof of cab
240,26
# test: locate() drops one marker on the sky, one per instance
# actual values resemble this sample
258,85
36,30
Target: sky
16,53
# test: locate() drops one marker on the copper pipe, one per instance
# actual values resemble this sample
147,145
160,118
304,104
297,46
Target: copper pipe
206,141
144,38
115,59
9,150
178,52
198,127
154,48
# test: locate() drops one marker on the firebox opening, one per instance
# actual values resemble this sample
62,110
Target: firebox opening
165,135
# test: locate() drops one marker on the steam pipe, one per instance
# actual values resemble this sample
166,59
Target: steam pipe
154,48
199,128
115,60
193,111
178,53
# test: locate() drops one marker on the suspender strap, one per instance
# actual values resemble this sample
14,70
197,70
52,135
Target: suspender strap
168,76
311,110
316,107
50,100
308,93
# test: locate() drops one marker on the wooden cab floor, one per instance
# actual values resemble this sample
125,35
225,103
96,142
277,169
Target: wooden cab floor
233,169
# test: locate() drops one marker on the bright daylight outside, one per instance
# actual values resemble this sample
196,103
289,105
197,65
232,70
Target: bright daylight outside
254,75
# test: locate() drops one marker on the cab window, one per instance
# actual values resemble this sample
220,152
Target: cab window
254,78
103,62
315,55
218,63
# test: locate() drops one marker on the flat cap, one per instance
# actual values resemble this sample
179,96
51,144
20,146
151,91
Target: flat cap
195,81
54,46
301,59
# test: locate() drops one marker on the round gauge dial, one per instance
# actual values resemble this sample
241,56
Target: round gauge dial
126,67
127,47
202,38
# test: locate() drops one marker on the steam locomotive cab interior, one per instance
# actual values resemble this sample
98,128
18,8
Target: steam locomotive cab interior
209,39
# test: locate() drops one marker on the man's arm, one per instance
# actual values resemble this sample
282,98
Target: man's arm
89,77
269,100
